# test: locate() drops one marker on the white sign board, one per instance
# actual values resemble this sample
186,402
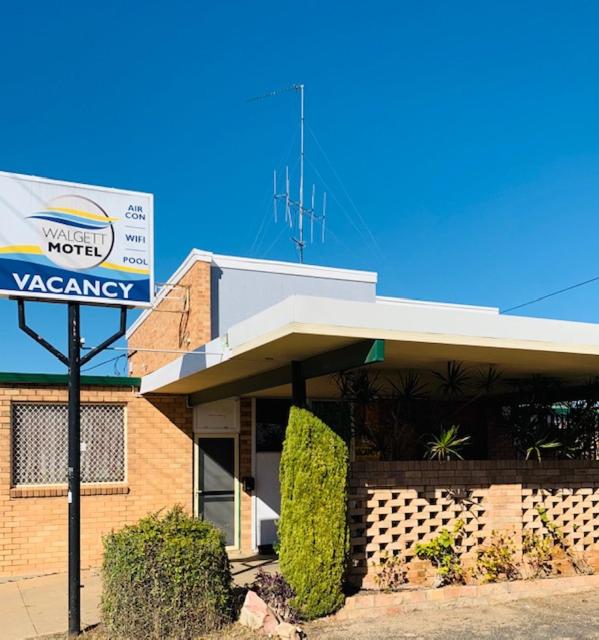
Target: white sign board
66,241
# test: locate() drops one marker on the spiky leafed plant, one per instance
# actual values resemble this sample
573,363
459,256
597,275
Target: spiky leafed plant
447,444
487,380
537,448
454,380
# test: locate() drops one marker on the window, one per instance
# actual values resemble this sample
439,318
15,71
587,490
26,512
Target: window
39,443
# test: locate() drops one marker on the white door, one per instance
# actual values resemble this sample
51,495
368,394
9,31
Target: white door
268,496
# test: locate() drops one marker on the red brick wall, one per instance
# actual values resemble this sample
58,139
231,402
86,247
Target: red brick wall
33,532
175,324
394,505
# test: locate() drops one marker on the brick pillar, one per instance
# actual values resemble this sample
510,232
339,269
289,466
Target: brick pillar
504,511
245,469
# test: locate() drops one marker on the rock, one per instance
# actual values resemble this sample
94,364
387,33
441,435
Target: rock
287,631
257,615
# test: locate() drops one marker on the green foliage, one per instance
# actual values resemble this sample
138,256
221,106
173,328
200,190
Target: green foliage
447,444
497,560
538,553
313,533
559,539
165,577
538,446
391,573
444,552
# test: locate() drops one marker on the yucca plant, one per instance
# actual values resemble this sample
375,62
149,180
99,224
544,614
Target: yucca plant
447,444
543,444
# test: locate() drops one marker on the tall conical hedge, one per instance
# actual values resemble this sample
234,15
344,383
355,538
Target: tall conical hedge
313,532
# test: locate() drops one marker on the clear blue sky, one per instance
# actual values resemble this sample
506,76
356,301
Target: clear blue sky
466,135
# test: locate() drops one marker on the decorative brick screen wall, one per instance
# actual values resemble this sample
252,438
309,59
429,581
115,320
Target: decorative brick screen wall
394,505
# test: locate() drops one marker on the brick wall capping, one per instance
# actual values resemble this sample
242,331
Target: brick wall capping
370,604
377,466
60,491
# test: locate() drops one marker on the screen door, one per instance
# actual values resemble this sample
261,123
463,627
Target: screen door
216,484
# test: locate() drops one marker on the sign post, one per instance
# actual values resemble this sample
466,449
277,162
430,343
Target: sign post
78,244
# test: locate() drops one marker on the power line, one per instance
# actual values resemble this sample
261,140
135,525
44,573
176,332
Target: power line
550,295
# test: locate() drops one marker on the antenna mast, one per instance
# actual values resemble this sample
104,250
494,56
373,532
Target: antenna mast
297,207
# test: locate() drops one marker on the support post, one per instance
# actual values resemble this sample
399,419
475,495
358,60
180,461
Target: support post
74,469
73,361
298,385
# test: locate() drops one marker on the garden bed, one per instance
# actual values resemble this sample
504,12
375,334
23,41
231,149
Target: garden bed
366,604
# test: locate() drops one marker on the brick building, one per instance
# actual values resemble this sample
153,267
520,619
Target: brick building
229,344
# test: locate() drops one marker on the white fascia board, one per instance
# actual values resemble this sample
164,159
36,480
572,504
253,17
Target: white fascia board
438,305
413,322
195,255
417,323
295,269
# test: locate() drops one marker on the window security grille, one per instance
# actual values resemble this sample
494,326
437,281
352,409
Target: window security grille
39,437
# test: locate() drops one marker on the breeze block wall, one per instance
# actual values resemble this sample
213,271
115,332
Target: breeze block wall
33,520
394,505
180,321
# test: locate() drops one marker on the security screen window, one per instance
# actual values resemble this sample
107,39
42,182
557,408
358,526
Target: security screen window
39,443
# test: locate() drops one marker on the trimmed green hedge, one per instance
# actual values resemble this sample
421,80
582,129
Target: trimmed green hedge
165,577
313,532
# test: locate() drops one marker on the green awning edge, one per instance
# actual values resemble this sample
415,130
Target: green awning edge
59,378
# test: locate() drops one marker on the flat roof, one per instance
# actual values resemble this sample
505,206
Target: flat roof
416,335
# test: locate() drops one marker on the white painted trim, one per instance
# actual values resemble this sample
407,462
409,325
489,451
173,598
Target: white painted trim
439,305
294,269
358,320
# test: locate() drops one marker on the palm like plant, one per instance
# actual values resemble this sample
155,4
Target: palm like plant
447,444
537,448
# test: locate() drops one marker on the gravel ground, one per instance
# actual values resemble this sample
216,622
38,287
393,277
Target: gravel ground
566,617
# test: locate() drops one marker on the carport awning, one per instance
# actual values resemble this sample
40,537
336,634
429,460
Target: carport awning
416,335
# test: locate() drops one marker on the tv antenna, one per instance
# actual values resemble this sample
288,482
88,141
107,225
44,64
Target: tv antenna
295,210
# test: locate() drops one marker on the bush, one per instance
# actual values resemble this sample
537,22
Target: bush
538,553
497,560
165,577
313,533
391,573
277,594
444,553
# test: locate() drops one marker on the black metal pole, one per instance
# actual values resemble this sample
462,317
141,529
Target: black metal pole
74,361
74,470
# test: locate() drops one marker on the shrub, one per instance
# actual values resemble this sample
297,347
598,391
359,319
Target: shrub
313,533
391,573
444,553
558,537
165,577
497,560
277,594
538,552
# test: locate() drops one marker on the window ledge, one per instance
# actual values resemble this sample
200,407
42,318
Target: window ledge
57,492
